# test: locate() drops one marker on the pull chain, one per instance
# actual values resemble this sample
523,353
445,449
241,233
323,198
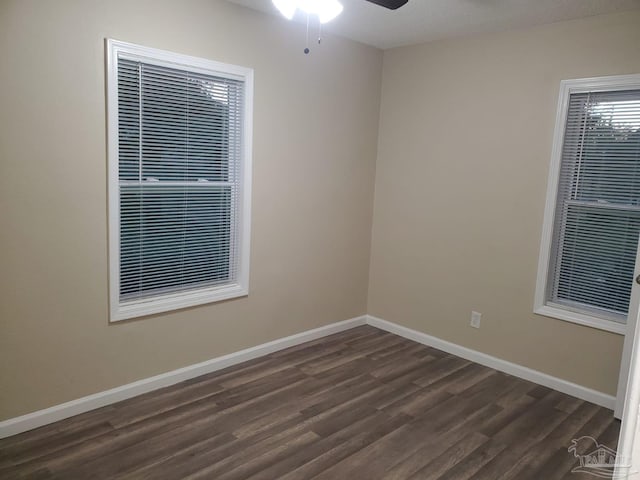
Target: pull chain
306,49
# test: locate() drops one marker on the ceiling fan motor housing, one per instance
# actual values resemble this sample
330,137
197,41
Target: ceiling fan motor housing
390,4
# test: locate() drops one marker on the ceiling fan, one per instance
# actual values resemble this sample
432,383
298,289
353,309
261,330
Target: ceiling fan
390,4
324,10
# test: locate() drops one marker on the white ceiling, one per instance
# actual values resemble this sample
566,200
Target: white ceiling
426,20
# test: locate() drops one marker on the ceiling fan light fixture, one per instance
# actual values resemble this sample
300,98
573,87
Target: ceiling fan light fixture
325,10
287,7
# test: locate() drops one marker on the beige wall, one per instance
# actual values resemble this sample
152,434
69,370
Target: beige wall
315,130
464,147
465,135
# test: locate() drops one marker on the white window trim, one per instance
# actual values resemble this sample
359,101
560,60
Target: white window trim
164,303
567,87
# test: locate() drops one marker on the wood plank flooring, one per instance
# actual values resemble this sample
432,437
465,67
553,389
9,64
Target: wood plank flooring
361,404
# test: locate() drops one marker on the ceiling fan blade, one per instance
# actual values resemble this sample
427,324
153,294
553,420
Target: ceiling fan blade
390,4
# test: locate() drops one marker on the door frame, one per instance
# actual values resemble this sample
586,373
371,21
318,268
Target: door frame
628,395
627,368
628,458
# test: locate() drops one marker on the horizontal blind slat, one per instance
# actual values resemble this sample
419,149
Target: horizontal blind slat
598,205
179,141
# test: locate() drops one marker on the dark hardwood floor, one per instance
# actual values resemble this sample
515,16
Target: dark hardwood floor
361,404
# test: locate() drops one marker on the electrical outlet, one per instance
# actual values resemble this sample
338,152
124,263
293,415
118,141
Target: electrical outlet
475,319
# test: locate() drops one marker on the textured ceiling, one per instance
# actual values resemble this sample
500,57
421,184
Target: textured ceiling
426,20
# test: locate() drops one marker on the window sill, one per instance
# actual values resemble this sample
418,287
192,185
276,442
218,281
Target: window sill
581,319
167,303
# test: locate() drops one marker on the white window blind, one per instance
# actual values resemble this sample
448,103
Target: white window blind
181,176
597,209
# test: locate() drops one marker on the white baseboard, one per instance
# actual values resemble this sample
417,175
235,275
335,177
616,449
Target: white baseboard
584,393
39,418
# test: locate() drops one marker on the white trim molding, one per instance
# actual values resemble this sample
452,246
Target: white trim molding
40,418
581,319
14,426
573,389
238,284
541,305
628,406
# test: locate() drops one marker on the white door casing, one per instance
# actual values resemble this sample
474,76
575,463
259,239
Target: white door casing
629,339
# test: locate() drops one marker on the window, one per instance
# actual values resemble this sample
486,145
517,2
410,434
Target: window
179,180
592,219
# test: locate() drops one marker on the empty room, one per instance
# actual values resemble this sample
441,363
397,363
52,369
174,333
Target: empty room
319,239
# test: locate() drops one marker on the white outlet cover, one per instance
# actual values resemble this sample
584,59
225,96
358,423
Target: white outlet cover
475,319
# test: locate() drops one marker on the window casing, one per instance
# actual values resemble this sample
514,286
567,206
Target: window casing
179,151
592,216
